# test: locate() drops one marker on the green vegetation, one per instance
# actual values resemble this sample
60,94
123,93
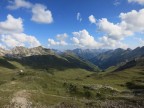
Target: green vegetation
57,62
71,87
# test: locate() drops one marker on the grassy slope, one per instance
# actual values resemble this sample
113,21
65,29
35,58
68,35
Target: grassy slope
57,62
47,88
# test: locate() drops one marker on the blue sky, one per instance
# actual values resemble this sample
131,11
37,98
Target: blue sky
62,28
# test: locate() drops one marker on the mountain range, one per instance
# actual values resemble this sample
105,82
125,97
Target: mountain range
42,58
116,57
93,57
107,58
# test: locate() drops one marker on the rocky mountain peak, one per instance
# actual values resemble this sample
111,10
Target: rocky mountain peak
21,51
2,52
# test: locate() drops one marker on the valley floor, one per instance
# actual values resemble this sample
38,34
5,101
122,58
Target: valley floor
71,88
27,87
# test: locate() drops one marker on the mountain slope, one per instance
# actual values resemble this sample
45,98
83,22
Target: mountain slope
139,62
56,62
116,57
86,53
19,52
6,64
43,58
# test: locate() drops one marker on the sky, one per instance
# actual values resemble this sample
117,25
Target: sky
70,24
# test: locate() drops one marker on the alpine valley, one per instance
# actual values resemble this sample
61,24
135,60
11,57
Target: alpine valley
81,78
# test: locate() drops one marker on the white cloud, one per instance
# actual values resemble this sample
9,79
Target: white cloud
92,19
62,37
76,40
111,43
32,41
79,18
84,39
11,34
61,40
11,25
141,2
52,42
131,23
41,14
133,20
116,2
21,39
114,31
19,4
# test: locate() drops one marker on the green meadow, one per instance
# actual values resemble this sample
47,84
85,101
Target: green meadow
69,88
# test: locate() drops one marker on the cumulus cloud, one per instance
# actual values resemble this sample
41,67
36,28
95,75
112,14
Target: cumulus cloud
131,23
41,14
79,18
61,40
133,20
113,31
11,34
111,43
52,42
21,39
141,2
11,25
84,39
19,4
92,19
62,37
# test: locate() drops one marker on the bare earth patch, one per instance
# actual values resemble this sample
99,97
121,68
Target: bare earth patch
20,100
13,82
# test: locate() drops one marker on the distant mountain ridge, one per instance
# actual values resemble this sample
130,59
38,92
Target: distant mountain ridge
86,53
43,58
100,57
20,51
116,57
3,52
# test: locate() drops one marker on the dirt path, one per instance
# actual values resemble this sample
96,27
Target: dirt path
20,100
